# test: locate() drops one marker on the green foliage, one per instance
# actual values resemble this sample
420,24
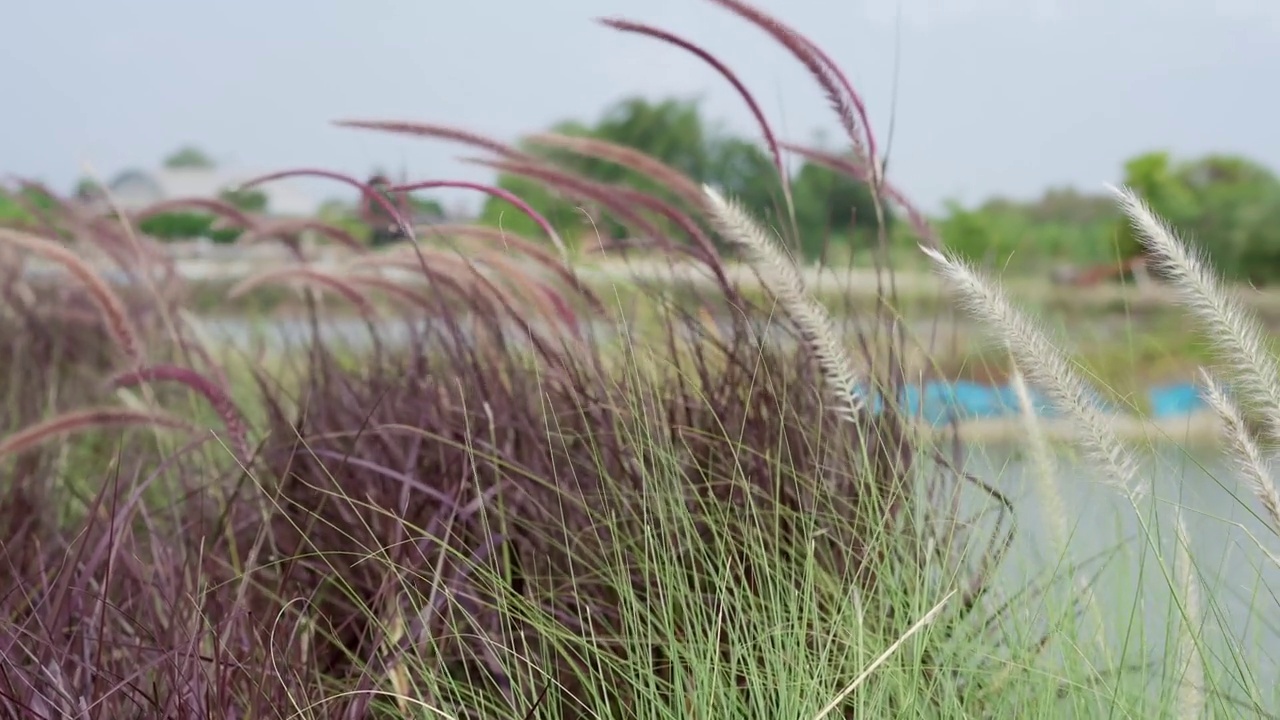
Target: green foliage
670,130
1152,176
1228,205
16,207
11,213
188,157
423,206
187,226
86,188
251,200
343,215
1235,216
567,217
828,204
1008,234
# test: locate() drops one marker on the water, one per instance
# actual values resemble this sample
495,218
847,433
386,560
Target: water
354,333
936,402
1239,583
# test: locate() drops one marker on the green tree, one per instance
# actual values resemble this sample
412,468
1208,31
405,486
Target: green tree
1236,203
1069,205
990,234
1225,204
831,205
86,188
1151,175
674,132
744,170
671,131
17,208
187,226
188,157
567,217
251,200
425,207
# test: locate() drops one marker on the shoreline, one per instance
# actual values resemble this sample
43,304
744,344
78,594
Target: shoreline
1201,429
856,282
209,278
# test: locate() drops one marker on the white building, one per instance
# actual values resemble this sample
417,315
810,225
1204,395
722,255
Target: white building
134,190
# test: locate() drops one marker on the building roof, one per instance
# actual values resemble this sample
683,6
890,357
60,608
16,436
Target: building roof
136,189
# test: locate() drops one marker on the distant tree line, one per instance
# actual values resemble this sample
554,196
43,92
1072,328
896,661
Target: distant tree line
830,207
1228,206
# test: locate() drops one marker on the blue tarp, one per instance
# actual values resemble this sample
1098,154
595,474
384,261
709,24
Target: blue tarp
938,402
1168,401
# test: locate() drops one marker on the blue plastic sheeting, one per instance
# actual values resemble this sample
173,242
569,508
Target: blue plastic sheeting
939,402
1168,401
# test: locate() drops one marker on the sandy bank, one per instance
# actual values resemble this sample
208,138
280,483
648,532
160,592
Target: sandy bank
1201,428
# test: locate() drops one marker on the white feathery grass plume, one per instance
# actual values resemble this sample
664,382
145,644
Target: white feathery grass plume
779,275
1044,364
1244,448
1234,331
1054,510
1191,701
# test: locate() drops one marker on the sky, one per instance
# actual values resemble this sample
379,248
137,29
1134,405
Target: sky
983,97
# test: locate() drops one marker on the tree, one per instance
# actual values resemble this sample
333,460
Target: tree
1151,175
425,207
745,171
565,216
831,206
674,132
1236,203
1225,204
87,188
188,157
187,226
1068,205
251,200
23,207
671,131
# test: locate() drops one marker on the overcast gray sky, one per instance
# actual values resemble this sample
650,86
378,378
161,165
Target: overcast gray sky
993,96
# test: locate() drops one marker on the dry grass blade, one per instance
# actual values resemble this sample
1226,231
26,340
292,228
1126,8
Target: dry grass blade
220,208
884,656
766,130
1191,699
498,237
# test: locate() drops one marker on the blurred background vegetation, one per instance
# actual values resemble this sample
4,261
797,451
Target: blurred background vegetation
1228,205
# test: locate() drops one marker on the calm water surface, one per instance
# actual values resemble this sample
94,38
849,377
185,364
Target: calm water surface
1115,541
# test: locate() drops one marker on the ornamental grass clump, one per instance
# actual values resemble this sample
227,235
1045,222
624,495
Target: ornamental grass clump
515,499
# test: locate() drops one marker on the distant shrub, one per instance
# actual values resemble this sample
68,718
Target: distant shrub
187,226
